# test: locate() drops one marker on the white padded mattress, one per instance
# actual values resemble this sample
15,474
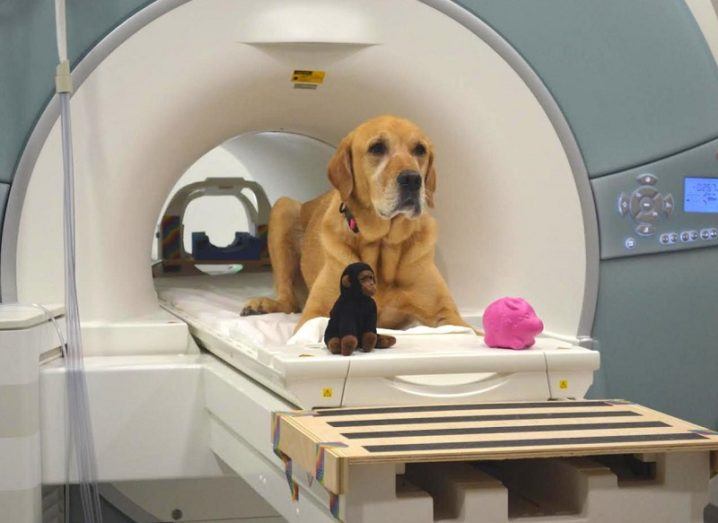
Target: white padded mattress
217,302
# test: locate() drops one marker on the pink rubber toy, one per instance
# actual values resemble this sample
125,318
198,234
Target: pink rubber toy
511,323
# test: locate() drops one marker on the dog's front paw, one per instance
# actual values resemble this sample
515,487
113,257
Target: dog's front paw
256,306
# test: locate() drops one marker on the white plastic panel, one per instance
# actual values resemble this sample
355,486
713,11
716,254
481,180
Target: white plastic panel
14,317
283,164
507,206
148,415
297,23
705,14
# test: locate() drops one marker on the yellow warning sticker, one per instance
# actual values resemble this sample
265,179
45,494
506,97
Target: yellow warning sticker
563,384
327,392
308,77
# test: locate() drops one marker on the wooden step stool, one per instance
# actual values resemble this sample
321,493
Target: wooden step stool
349,450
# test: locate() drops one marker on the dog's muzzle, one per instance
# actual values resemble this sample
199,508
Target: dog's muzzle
409,183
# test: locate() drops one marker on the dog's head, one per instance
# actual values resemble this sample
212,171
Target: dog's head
387,163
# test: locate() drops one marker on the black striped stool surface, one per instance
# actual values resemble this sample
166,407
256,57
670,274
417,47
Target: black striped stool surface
327,441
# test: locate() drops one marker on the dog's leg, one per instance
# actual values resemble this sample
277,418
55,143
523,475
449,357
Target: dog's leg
440,310
430,302
283,238
444,312
323,294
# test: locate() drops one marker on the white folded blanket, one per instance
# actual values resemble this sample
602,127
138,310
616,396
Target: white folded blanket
312,332
222,313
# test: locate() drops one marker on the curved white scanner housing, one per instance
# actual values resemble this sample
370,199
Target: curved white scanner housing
508,206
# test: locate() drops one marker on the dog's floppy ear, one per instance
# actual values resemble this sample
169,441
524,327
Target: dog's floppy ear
430,180
340,171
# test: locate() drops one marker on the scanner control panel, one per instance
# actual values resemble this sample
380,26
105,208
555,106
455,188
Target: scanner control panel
646,205
669,205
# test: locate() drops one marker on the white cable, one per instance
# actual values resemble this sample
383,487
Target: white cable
77,396
51,318
61,30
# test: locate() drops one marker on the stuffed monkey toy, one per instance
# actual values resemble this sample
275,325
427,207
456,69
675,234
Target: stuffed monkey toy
352,321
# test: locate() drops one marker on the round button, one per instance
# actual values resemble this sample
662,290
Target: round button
645,191
647,216
645,229
646,179
623,204
630,243
665,239
639,196
674,237
694,235
685,236
668,204
714,233
705,234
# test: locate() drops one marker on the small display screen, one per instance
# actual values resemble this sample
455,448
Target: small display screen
700,195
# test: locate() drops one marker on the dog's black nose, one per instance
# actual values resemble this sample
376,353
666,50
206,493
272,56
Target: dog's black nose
409,180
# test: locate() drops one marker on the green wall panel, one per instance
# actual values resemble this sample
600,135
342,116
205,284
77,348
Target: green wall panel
657,326
635,78
28,56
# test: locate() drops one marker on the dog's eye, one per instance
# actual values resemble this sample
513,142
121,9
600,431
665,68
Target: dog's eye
378,148
419,150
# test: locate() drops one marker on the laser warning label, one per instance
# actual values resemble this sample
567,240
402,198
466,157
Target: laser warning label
303,79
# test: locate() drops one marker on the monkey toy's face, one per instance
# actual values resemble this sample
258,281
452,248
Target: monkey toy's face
368,282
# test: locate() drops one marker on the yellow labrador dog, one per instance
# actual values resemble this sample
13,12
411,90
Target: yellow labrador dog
384,179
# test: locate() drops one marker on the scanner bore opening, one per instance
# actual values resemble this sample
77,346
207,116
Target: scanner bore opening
221,217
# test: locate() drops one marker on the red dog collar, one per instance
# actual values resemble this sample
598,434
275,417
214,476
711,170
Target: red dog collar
349,217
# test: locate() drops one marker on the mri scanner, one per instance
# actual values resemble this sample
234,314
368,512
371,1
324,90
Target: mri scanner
576,156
